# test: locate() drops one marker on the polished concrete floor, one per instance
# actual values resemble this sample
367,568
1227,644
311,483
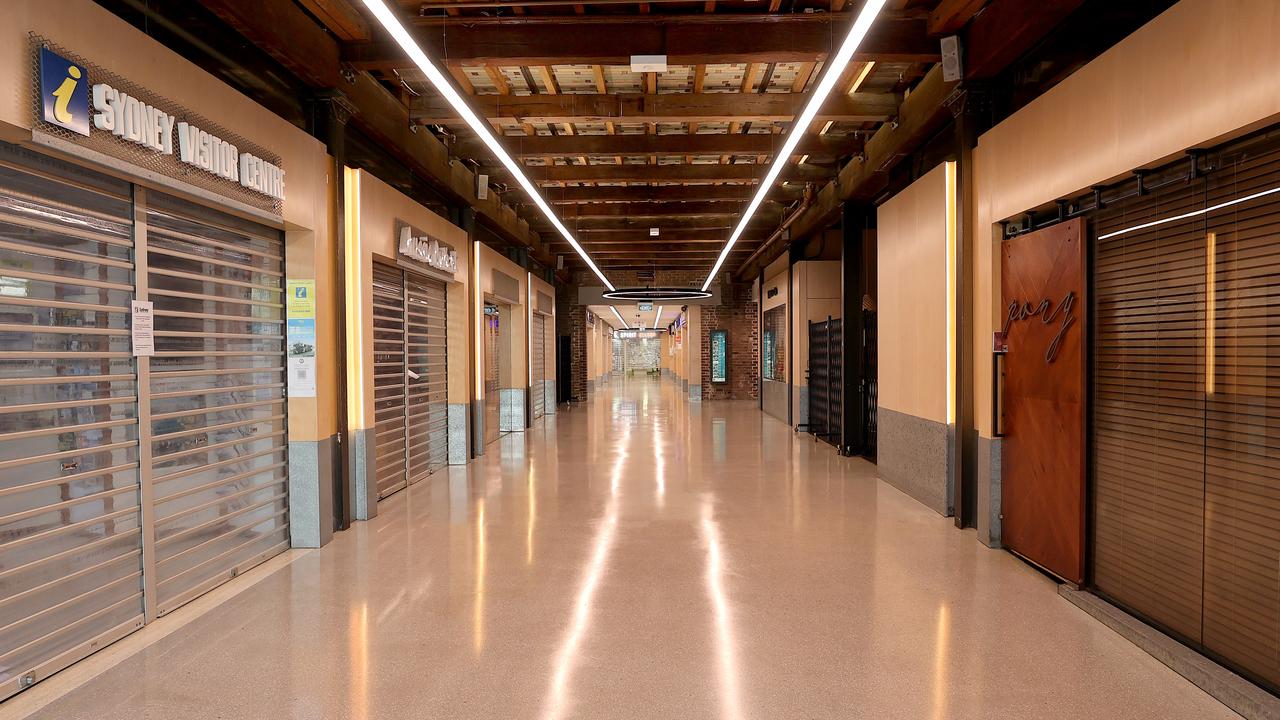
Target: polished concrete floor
644,557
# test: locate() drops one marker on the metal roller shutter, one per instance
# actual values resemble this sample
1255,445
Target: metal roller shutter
389,379
538,359
427,391
218,449
70,538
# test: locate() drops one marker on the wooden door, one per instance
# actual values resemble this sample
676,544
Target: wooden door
1043,451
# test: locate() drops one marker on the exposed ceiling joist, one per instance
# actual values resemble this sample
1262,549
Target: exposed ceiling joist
1006,29
684,173
685,39
715,208
670,107
661,145
572,195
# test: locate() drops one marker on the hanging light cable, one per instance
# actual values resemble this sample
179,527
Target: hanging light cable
831,74
442,85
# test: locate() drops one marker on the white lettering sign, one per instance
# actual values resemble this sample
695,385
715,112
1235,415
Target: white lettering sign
428,250
132,120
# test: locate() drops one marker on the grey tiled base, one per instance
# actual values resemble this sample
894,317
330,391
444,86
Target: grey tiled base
1230,689
310,492
458,433
802,408
511,412
363,479
773,396
695,393
988,520
911,453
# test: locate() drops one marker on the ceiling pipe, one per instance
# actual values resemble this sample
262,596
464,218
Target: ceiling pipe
764,246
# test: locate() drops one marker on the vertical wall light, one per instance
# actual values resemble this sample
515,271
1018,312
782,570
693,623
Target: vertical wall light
482,130
951,211
1210,311
354,291
528,335
831,74
477,295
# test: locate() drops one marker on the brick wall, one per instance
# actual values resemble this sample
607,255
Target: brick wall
737,314
571,320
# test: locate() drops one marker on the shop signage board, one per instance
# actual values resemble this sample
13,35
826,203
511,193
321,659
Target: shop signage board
300,317
83,105
421,247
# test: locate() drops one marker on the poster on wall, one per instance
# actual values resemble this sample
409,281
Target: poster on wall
300,317
719,356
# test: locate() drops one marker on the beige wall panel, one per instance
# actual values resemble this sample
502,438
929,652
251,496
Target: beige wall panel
379,206
912,244
1203,71
515,368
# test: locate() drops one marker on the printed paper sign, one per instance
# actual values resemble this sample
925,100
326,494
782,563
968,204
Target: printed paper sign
143,329
301,336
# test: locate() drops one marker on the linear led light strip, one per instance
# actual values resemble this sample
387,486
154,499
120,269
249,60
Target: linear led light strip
1191,214
618,315
442,85
829,78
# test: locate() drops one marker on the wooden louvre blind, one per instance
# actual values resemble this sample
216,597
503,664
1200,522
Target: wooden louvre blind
1242,420
1186,410
1148,408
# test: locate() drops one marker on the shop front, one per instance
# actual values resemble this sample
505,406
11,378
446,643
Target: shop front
406,340
152,263
542,356
504,336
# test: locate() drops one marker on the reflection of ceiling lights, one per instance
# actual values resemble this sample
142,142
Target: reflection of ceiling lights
832,72
650,294
478,126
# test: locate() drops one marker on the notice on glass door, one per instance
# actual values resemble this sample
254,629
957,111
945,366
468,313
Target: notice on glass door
142,328
300,328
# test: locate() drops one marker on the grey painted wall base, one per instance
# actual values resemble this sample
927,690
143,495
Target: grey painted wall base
912,454
363,477
477,428
695,393
511,417
1230,689
311,492
988,505
549,397
458,433
773,396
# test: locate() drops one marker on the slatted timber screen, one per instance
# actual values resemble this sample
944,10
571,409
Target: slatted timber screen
1186,411
537,361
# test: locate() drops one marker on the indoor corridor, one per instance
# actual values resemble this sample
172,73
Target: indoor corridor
638,556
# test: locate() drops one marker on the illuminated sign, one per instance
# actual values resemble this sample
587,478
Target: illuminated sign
426,249
69,100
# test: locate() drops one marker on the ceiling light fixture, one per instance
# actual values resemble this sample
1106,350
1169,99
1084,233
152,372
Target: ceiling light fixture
835,68
482,129
657,318
618,315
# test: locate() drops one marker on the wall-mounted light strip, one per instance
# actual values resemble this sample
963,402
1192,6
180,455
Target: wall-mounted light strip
1194,213
952,221
1210,311
832,72
618,315
478,126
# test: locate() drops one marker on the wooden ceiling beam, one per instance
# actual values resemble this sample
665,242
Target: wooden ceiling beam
951,15
664,223
659,210
549,175
822,146
1006,29
637,193
671,107
611,40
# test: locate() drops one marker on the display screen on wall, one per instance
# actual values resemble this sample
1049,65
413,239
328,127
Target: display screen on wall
766,355
719,356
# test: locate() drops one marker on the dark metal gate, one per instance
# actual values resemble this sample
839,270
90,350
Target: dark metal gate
825,380
869,374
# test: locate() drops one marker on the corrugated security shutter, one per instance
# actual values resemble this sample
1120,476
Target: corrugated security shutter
388,379
427,422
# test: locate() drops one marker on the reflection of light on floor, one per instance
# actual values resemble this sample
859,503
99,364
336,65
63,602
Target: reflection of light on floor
480,560
718,441
660,457
940,663
358,640
567,657
730,702
533,518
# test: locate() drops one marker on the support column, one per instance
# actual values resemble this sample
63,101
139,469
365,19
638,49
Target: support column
858,228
